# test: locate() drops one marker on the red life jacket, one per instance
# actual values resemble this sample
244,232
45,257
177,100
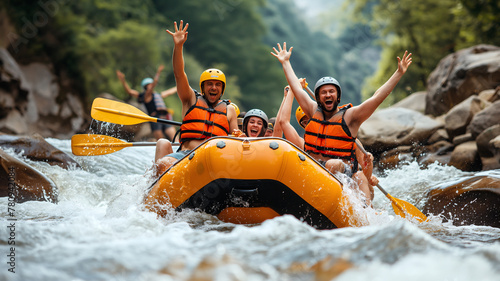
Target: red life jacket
330,138
203,122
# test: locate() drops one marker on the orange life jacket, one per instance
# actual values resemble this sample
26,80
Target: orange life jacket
203,122
331,138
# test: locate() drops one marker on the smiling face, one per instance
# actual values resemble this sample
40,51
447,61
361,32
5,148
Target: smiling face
254,126
328,97
212,89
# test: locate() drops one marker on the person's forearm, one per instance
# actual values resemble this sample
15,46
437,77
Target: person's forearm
155,81
291,78
169,92
300,95
383,92
278,132
157,76
285,111
126,87
178,61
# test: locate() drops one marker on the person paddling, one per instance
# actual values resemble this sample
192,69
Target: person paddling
204,115
331,133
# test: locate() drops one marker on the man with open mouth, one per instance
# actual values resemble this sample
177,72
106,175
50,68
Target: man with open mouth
330,135
205,115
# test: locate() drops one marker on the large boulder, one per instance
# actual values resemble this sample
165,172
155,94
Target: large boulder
460,75
474,200
415,101
21,182
495,143
493,162
491,95
37,148
32,101
466,158
439,152
392,127
484,145
486,118
459,117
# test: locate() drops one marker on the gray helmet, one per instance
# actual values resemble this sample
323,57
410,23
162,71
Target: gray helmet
327,81
258,113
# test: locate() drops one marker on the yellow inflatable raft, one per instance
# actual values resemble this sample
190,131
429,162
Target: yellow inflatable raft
247,181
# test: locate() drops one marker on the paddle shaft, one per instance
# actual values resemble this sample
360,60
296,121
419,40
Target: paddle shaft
391,198
310,92
118,144
92,144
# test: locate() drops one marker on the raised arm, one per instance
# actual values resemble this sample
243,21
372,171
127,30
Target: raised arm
185,92
283,118
358,114
169,92
232,118
151,87
129,91
308,105
278,131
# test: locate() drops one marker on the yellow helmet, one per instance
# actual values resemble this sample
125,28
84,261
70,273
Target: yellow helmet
213,74
299,114
235,108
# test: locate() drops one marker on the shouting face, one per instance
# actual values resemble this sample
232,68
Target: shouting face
328,97
212,89
254,126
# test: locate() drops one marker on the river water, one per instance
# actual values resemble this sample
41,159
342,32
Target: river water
99,231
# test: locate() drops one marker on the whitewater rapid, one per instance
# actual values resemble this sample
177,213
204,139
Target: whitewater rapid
100,231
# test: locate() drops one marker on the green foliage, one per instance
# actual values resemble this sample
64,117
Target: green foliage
347,55
111,50
229,34
429,29
89,40
479,22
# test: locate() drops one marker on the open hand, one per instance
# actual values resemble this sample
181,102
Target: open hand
282,54
404,63
120,75
180,34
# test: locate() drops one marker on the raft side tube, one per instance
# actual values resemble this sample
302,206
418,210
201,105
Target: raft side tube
225,173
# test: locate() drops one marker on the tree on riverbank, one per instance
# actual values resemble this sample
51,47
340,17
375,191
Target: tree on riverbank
429,29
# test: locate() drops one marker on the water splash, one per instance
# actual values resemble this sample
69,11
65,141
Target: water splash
100,231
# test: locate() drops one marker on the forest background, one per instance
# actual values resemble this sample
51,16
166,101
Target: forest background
356,42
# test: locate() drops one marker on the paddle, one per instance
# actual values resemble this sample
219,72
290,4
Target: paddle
121,113
402,208
310,92
89,145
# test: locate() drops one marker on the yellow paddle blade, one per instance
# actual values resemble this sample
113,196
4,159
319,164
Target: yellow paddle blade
118,112
403,208
88,145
